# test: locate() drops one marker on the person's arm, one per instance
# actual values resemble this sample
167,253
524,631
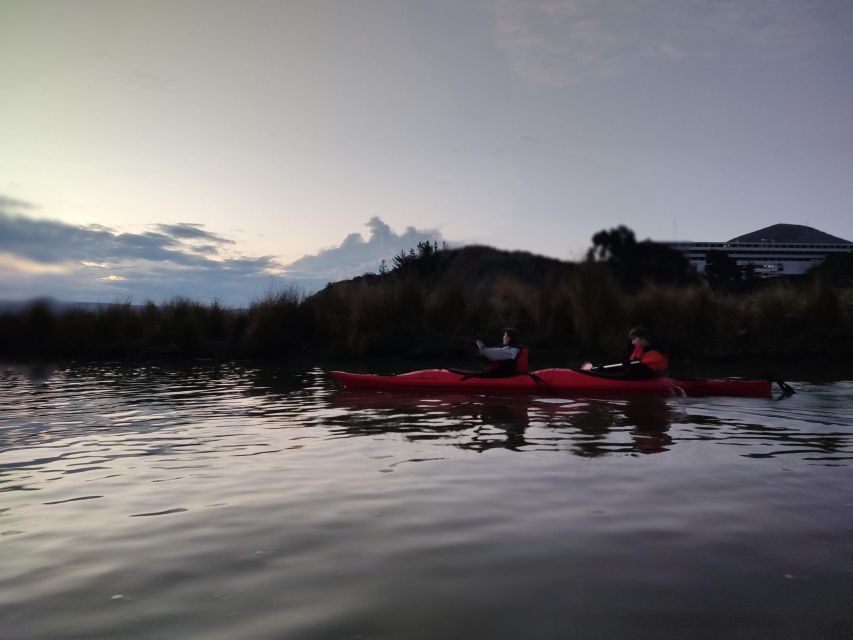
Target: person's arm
496,354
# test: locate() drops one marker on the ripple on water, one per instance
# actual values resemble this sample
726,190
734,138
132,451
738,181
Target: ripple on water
231,501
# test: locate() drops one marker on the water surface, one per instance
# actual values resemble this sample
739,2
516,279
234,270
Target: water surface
240,502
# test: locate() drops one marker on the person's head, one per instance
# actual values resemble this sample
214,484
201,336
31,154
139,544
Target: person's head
510,336
638,335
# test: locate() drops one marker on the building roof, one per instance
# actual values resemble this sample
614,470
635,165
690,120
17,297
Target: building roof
790,233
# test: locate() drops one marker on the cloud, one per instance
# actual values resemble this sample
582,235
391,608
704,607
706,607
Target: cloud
11,205
561,42
191,231
54,242
355,255
230,287
40,257
206,249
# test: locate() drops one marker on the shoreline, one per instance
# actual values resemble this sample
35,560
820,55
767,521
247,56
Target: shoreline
802,367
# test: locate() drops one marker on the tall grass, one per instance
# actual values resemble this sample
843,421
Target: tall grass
814,319
278,325
599,310
691,320
585,312
372,316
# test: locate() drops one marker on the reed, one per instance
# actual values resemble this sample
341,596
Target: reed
598,310
692,320
450,310
371,315
278,325
584,310
513,303
790,320
555,312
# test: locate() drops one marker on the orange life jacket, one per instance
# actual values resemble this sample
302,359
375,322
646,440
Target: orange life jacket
653,358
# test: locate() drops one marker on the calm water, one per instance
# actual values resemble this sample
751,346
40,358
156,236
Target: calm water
236,502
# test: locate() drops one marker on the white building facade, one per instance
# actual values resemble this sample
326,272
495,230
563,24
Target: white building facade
767,258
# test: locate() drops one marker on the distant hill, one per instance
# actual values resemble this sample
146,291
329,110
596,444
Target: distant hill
471,265
792,234
481,263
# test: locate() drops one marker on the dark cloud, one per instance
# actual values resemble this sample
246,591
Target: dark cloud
9,205
53,242
95,263
191,231
355,255
206,249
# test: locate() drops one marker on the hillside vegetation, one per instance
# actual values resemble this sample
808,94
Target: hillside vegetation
433,302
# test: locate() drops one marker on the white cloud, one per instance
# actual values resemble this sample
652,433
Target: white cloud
355,255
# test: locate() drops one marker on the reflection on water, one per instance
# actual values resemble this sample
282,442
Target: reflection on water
586,427
234,501
489,422
95,399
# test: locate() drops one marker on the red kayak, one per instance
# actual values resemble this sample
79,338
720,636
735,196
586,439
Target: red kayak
556,381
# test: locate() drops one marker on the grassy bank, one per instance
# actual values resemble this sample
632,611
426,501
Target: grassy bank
436,308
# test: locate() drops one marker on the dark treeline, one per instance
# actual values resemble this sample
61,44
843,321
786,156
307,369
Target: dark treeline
433,301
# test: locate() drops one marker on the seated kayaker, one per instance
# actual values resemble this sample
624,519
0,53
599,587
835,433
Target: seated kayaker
646,359
507,360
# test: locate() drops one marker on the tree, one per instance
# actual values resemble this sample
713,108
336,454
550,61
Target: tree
634,262
837,268
403,258
721,270
615,246
424,256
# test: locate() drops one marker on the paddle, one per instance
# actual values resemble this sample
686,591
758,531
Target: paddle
610,366
787,390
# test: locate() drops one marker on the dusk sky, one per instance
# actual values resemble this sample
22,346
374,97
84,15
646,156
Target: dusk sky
223,149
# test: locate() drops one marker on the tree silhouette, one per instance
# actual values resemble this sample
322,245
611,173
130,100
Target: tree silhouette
721,270
426,252
634,262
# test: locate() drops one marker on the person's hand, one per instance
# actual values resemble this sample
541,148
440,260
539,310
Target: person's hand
586,366
480,344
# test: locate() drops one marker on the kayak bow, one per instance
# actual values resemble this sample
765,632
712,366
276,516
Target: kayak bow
555,381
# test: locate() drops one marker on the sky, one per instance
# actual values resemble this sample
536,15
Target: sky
225,150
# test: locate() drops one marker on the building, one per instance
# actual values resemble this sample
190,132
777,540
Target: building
781,249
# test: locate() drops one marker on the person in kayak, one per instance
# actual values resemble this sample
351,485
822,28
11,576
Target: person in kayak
507,360
646,360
